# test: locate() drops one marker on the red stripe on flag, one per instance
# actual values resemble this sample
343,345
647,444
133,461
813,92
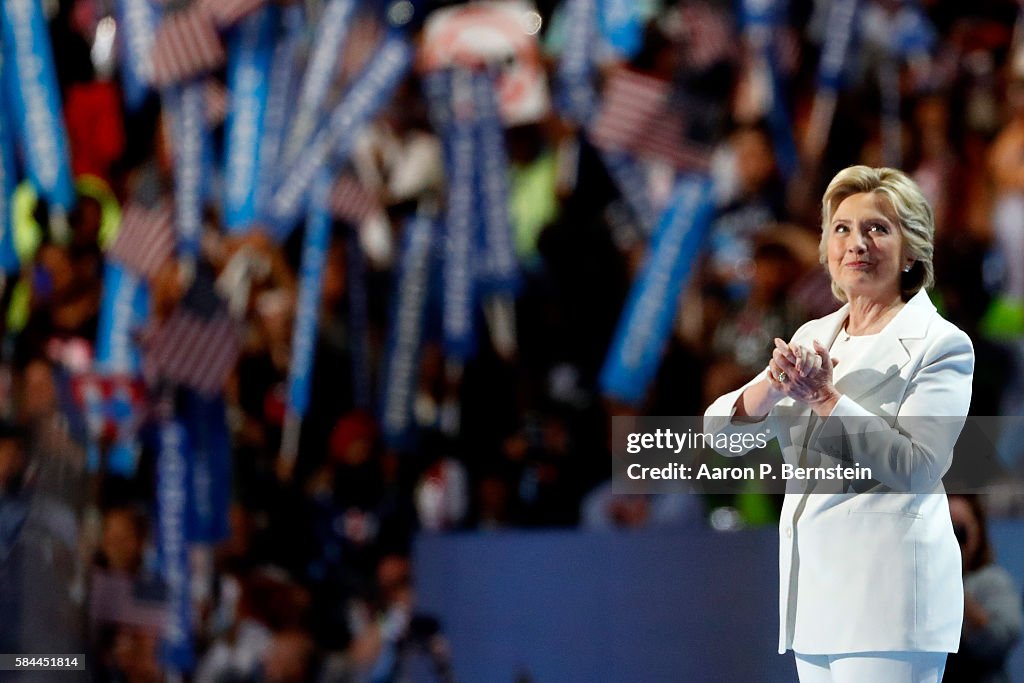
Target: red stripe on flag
230,12
145,240
351,201
193,351
636,117
186,45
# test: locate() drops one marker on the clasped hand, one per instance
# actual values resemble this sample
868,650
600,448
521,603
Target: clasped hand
800,373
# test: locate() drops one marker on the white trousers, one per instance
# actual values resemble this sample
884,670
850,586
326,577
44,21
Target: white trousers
876,667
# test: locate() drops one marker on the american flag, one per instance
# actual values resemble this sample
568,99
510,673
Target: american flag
636,116
197,345
186,45
351,201
116,598
113,404
707,34
146,238
230,12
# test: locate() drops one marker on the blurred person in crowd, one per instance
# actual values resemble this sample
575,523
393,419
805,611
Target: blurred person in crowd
743,337
751,201
13,511
1006,163
290,657
42,503
260,628
885,357
133,656
64,300
121,543
993,615
602,509
391,640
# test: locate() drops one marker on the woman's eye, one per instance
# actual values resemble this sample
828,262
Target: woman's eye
842,228
878,227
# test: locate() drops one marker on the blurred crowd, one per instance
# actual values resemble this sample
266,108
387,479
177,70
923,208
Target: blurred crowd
315,577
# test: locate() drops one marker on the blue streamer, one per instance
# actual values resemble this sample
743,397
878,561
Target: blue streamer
499,269
576,96
137,21
187,107
631,180
333,143
8,181
332,29
32,86
205,422
123,310
761,22
837,44
249,61
412,282
646,321
173,501
283,81
314,256
460,219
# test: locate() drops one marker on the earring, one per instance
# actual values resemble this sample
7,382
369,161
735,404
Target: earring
906,269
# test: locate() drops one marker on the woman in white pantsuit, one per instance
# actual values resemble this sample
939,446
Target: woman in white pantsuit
870,580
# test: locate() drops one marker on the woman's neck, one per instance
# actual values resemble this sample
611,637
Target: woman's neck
869,316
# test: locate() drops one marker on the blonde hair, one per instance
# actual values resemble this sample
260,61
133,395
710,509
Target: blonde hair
916,221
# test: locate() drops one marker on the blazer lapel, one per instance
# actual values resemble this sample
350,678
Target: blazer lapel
889,352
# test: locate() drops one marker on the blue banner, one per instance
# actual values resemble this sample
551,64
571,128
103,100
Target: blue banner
576,95
405,336
622,26
460,220
33,92
913,35
307,313
249,61
123,457
205,422
498,269
839,35
8,181
136,21
333,143
358,319
186,105
172,499
761,21
283,81
123,311
325,55
630,178
646,321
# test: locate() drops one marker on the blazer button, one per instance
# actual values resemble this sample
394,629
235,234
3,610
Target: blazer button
789,532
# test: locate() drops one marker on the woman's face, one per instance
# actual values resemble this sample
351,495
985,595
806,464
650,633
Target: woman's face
865,248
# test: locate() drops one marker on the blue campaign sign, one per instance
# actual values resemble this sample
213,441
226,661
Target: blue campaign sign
311,273
35,100
405,337
8,181
249,63
173,501
646,320
137,21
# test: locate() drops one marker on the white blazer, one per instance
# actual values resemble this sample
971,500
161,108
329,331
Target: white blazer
879,570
